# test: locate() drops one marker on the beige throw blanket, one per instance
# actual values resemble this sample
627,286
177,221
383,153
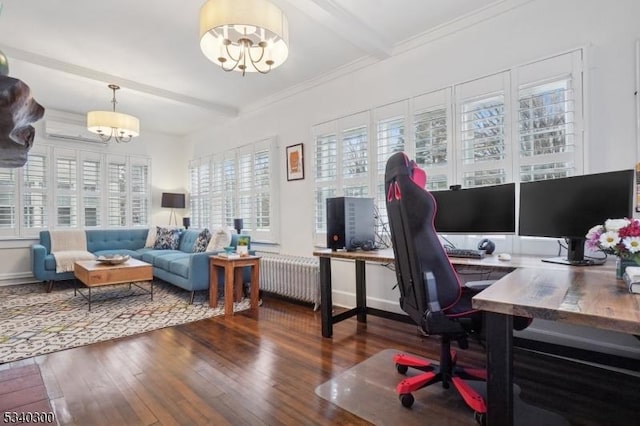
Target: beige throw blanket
68,246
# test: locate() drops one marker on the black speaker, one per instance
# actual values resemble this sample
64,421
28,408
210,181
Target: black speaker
487,245
350,223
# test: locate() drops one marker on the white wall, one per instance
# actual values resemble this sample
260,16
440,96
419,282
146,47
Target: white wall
169,172
536,30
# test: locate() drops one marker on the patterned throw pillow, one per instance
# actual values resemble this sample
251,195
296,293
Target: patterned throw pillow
202,241
167,239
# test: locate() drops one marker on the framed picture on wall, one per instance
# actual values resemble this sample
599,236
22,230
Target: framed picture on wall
295,162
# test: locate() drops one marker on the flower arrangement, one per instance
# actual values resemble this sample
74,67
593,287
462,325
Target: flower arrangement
620,237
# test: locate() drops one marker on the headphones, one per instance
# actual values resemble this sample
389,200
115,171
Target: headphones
487,245
366,245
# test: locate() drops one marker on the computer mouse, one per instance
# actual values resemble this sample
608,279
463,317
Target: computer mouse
504,256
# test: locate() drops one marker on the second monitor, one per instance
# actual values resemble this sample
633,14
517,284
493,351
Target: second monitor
482,210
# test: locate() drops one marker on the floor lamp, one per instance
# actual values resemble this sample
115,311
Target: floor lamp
173,201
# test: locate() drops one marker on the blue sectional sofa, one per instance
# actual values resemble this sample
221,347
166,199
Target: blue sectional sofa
180,267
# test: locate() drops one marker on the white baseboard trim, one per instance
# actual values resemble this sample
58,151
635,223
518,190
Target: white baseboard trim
345,299
16,278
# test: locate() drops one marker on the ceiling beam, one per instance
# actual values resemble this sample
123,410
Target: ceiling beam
345,24
91,74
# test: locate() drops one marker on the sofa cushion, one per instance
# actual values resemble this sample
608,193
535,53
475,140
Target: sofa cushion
202,241
164,261
120,238
151,256
167,239
180,267
188,240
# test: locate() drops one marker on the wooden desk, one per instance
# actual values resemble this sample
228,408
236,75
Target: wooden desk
385,256
233,273
589,296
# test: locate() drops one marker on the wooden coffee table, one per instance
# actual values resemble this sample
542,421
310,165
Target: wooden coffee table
92,274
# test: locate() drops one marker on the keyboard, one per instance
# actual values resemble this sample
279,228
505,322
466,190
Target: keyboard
469,253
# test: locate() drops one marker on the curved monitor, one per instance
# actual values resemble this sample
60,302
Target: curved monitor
482,210
569,207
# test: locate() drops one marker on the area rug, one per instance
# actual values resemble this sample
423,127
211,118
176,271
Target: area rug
33,322
368,391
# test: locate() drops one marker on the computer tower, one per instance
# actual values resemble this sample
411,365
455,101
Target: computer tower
350,223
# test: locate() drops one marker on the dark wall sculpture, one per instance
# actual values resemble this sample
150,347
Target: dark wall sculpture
17,111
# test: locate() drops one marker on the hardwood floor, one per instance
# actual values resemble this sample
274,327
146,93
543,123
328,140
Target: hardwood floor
262,368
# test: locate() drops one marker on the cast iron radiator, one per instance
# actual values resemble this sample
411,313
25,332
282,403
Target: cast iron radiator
295,277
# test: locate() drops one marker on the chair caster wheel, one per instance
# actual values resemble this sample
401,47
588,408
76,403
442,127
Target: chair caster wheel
402,369
480,418
406,399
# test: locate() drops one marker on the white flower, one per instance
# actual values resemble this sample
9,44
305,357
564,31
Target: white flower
615,224
595,231
609,239
632,244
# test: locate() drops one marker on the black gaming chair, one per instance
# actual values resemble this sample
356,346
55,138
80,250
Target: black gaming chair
430,291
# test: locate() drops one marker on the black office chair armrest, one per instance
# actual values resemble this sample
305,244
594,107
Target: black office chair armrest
479,285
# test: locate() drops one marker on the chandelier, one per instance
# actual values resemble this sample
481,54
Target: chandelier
112,124
244,35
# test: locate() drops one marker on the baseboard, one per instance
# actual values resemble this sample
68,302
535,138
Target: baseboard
16,278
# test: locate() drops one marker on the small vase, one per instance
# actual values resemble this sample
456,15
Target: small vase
621,265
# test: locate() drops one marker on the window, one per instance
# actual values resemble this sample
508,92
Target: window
117,192
91,190
341,163
7,200
519,125
66,178
140,199
34,197
238,183
548,122
481,137
68,188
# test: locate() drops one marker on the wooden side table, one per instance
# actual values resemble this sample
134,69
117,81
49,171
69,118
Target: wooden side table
233,274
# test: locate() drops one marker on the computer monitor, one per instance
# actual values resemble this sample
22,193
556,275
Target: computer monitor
482,210
568,207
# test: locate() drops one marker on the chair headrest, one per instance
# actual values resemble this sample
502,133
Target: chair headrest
400,165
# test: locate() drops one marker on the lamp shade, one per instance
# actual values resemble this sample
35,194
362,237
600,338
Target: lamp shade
238,224
172,200
186,222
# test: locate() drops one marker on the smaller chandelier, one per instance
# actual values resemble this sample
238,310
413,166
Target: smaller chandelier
244,35
112,124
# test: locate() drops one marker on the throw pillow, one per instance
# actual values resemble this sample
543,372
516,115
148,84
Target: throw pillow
202,241
220,239
151,237
167,239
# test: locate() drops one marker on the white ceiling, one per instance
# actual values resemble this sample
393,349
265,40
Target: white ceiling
67,51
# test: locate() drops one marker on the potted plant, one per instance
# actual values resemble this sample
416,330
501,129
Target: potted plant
243,245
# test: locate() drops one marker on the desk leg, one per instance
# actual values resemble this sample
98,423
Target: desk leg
228,289
499,368
326,303
255,285
361,290
213,287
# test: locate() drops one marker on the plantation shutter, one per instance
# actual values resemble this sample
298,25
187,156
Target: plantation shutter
140,191
91,190
35,192
116,192
549,125
432,142
66,191
325,173
391,125
484,153
8,202
262,189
